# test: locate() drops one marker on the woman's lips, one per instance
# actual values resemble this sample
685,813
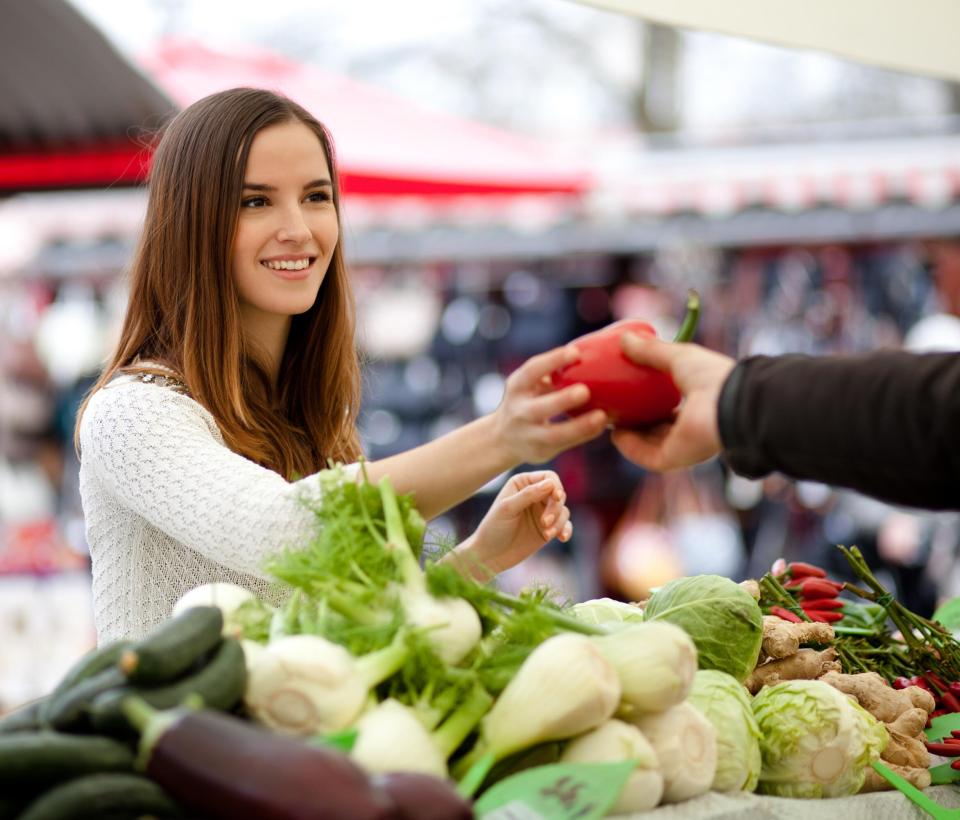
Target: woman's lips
291,274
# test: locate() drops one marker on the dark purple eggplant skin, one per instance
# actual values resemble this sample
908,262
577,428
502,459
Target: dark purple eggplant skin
423,797
222,767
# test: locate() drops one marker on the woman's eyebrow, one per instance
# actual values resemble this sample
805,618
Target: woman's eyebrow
315,183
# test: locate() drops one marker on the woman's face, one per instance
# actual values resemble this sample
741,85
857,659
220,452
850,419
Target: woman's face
287,229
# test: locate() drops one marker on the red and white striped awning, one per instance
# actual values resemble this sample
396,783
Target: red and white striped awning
855,175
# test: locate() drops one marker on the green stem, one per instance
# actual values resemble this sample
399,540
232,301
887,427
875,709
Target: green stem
557,618
773,590
375,667
349,608
397,543
689,325
476,774
454,730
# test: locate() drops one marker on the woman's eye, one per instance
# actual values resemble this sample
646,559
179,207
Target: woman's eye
253,202
318,196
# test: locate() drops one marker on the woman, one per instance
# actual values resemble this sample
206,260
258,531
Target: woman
236,373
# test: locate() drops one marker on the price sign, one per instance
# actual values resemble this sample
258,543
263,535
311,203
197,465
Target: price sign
560,791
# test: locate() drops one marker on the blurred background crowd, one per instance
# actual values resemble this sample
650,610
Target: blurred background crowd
515,175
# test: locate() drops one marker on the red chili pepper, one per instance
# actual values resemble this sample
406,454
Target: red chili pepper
950,701
936,681
916,680
824,617
812,588
955,688
955,741
901,682
955,764
822,604
798,569
943,749
786,614
631,394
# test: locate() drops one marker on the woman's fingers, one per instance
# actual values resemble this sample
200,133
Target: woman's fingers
543,408
529,376
532,494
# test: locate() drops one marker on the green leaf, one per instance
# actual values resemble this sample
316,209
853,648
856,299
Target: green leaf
560,791
948,614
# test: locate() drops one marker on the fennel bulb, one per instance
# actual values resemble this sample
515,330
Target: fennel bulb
655,662
304,684
614,741
392,739
226,596
565,687
686,746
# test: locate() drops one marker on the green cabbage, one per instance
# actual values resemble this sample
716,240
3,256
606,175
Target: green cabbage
816,741
726,704
723,619
607,611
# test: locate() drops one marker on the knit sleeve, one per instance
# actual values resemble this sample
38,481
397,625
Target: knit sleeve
155,452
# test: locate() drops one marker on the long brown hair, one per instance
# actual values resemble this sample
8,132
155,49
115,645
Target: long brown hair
184,309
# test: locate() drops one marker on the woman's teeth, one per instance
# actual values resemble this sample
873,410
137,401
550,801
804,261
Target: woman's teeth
299,264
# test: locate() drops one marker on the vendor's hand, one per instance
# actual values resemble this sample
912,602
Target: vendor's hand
528,511
523,421
693,435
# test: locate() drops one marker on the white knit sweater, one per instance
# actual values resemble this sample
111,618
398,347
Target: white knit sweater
169,506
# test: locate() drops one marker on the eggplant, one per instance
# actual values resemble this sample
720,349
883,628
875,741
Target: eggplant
223,767
423,797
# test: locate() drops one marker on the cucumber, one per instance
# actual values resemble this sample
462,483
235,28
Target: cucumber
104,796
221,684
67,711
173,646
89,665
39,759
10,807
26,718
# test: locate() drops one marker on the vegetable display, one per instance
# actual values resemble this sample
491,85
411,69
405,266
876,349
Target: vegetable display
384,688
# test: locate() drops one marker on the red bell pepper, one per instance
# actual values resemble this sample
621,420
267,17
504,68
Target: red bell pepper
632,395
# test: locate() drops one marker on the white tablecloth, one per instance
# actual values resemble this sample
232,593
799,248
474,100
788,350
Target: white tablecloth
876,806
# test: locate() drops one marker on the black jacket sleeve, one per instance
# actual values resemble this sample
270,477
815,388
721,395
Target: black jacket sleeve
886,424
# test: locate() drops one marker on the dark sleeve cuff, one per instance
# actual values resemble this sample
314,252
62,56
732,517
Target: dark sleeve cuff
742,456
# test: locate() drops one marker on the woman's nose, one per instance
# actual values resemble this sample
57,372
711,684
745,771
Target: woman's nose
293,228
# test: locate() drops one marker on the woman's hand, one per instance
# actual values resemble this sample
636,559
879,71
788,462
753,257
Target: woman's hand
693,435
528,511
523,421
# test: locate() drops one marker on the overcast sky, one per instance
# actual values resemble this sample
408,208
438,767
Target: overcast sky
490,60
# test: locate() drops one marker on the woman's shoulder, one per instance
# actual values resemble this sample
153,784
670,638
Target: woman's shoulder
143,401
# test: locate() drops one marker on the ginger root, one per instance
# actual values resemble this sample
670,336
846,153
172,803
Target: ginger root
875,695
874,782
752,587
805,664
781,638
910,722
904,750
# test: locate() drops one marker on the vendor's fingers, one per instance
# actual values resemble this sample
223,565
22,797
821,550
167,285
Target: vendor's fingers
566,533
649,350
530,374
646,448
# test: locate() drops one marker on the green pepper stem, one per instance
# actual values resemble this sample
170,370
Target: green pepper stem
692,317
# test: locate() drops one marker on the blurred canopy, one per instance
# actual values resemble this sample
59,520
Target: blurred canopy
73,108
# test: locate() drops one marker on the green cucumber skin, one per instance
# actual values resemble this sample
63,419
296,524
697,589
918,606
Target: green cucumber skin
68,710
173,646
221,684
39,759
103,796
27,718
